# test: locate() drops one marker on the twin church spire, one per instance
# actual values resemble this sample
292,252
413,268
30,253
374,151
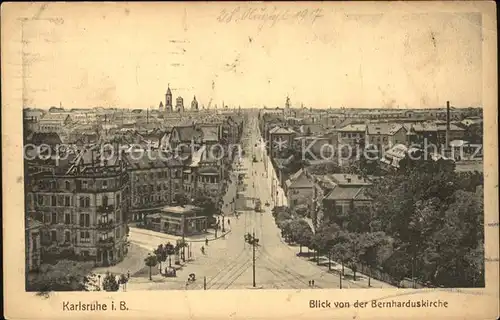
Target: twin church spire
179,103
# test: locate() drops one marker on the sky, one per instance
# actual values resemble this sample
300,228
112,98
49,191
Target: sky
126,55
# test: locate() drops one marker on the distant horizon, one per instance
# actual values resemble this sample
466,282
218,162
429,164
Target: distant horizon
259,108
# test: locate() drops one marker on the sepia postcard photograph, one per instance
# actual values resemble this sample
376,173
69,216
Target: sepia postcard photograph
250,160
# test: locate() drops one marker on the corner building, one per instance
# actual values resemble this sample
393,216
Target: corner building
83,209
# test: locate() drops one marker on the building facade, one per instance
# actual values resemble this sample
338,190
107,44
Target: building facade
84,210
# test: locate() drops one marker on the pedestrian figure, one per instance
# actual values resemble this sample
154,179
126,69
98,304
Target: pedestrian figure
309,283
206,241
203,249
312,283
228,222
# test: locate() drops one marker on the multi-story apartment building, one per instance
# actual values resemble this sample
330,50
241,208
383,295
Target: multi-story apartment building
384,135
351,134
155,179
280,138
82,206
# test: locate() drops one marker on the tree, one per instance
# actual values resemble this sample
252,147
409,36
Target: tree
372,242
434,218
123,280
180,199
286,232
169,250
276,210
283,216
161,254
109,283
66,275
150,262
324,168
339,246
300,232
180,245
324,240
207,204
301,210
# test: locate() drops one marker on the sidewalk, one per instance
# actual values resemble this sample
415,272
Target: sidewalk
210,235
361,279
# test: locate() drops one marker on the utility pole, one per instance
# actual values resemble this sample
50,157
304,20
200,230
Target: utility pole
204,283
183,240
253,259
250,239
340,277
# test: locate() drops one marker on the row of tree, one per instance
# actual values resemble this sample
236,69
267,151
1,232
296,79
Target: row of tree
426,222
348,248
164,252
432,218
436,218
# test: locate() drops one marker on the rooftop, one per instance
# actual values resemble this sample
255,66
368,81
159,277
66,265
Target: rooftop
180,210
353,128
349,179
347,193
383,128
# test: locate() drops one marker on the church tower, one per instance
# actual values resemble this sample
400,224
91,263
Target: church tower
287,103
194,104
161,106
179,105
168,100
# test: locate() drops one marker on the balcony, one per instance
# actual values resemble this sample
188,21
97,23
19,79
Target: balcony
105,225
106,243
105,209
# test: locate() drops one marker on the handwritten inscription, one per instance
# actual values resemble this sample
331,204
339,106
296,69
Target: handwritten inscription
267,16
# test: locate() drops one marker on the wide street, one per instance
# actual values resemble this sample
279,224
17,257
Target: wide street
227,262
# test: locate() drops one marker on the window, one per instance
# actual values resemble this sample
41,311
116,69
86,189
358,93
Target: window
53,235
84,236
103,236
118,199
85,184
67,201
53,218
60,201
67,236
53,200
40,200
105,184
104,219
84,220
85,253
84,202
67,185
105,201
67,218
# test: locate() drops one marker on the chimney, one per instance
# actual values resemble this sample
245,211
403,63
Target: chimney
447,124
